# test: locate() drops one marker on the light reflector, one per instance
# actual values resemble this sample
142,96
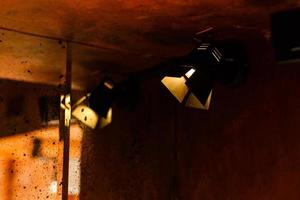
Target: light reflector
86,115
179,89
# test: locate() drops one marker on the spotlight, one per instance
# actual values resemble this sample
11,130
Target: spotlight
190,96
95,109
191,82
194,87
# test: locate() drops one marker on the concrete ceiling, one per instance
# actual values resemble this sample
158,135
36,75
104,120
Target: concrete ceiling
119,36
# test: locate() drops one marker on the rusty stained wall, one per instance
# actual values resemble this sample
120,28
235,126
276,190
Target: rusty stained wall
30,150
130,34
245,147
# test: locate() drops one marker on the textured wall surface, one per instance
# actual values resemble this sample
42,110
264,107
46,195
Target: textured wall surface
245,147
130,34
132,159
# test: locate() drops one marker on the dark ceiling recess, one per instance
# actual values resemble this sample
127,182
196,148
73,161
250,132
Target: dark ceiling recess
286,35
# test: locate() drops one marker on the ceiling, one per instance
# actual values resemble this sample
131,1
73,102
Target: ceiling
113,36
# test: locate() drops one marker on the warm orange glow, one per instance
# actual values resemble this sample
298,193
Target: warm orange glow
5,177
44,63
25,176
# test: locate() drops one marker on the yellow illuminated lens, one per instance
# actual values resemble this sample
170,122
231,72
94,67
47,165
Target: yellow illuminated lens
190,73
86,115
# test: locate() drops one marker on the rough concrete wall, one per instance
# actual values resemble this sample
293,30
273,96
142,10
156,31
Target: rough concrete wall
245,147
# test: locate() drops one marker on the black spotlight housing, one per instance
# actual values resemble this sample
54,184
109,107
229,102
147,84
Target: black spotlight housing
204,55
94,109
102,97
201,84
234,66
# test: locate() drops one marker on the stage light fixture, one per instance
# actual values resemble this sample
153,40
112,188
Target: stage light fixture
95,109
178,86
194,87
191,82
189,78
